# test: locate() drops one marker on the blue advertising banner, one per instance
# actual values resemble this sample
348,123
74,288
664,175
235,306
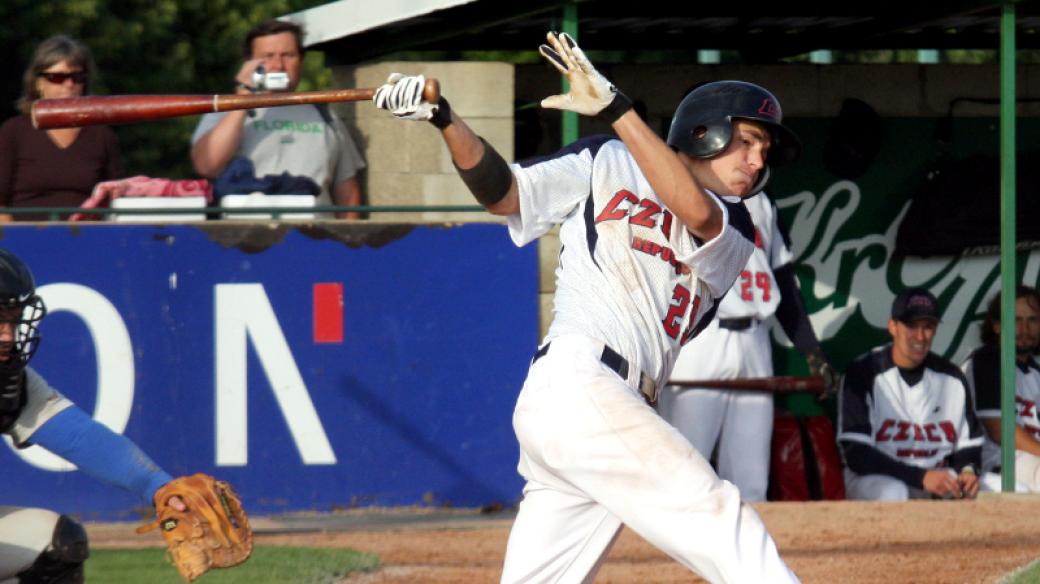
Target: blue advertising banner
312,368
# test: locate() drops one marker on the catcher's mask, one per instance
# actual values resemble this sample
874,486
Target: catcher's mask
703,123
21,307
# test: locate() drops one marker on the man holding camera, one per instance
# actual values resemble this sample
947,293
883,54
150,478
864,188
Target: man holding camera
303,140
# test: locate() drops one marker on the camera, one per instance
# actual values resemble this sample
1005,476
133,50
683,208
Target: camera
273,81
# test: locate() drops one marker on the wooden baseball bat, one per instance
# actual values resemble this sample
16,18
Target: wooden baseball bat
90,110
776,384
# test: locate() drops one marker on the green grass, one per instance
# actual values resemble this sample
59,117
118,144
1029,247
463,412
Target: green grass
268,564
1028,575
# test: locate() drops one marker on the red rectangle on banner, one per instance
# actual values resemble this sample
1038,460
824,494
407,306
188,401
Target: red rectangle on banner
328,312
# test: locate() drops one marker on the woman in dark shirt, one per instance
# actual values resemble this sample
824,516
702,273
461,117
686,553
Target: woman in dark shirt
54,168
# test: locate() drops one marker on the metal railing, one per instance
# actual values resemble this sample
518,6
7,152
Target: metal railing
56,213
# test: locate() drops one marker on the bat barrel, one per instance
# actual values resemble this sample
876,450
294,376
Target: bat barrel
92,110
70,112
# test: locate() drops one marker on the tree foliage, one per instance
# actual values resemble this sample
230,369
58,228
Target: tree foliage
147,46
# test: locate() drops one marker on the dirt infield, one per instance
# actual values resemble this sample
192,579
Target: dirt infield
918,542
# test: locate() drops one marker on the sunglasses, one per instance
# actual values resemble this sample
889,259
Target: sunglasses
77,77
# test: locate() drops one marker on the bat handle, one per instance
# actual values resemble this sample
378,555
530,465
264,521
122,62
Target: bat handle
431,92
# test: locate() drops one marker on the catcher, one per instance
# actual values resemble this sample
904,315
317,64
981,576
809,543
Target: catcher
202,520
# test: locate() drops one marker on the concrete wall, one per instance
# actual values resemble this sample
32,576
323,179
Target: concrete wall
408,163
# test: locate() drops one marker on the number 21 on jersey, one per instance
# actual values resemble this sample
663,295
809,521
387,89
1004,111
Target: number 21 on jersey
677,310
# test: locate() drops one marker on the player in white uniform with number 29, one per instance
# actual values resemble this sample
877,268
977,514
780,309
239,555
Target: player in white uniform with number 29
651,238
736,345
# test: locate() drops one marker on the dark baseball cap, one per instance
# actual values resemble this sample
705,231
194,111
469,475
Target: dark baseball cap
914,303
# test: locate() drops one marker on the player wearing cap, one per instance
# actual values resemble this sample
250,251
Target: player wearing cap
906,425
651,239
982,369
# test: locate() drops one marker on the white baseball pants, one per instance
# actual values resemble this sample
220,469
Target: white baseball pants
597,457
1027,475
24,534
738,422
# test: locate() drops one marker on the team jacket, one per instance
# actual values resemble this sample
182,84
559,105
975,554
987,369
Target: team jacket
630,275
982,368
889,425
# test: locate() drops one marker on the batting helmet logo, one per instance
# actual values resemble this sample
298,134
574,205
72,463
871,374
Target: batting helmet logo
769,108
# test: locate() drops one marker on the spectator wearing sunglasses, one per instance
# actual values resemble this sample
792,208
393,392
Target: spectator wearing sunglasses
54,168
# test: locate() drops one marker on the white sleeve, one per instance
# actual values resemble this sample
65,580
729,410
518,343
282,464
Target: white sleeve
549,192
349,160
207,123
43,403
717,262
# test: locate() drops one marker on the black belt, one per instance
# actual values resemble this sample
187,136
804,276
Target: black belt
619,365
736,324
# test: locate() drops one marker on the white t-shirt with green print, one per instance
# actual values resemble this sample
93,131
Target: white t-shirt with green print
295,139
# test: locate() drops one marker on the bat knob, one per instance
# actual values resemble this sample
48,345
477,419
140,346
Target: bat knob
431,91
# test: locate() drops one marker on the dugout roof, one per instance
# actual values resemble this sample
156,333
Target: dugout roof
354,31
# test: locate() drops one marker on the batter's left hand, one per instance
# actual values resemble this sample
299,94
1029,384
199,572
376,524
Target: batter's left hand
402,95
590,93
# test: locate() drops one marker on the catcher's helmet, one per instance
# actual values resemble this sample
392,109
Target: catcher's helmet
18,291
703,123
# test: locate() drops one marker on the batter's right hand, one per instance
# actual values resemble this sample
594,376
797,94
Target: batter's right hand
402,96
590,93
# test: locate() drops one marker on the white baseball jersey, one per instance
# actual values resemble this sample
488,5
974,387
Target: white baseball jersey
630,274
920,424
755,293
42,403
982,368
594,454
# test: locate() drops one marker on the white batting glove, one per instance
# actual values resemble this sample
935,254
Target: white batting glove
590,93
402,96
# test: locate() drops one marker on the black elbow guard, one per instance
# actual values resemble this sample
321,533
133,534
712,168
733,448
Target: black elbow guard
490,179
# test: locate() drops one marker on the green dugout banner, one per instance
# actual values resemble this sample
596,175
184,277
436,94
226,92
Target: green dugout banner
844,231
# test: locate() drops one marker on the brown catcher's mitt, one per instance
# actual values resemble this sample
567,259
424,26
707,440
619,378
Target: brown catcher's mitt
213,532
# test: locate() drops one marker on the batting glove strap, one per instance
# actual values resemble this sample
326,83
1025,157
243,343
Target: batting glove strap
442,115
617,108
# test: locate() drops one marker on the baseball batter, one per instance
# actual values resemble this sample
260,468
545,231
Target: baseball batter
651,238
736,345
982,369
37,545
906,424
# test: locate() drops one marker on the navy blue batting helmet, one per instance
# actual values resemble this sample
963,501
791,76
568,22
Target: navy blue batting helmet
703,123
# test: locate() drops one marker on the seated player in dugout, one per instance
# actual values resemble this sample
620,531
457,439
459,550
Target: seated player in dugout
983,371
39,545
653,234
906,423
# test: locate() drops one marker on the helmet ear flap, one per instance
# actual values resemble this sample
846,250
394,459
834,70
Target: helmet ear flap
710,139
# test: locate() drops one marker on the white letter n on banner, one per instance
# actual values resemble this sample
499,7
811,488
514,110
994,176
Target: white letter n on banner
243,313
